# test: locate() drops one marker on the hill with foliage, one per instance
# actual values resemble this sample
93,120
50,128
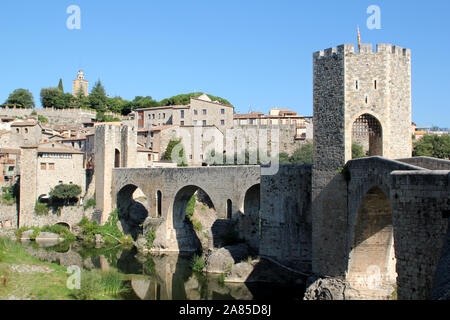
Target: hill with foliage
98,100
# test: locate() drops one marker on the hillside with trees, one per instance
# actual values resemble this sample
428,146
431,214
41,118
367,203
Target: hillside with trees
98,100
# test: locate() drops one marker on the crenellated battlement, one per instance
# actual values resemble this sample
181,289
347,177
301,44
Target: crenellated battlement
366,48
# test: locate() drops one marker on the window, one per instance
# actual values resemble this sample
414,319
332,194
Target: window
204,123
204,112
251,121
60,182
43,166
26,130
182,114
357,85
182,123
153,116
375,84
17,130
159,115
164,115
51,166
222,111
149,157
222,122
367,100
195,122
195,112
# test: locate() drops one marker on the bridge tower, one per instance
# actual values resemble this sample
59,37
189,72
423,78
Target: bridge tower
359,97
115,147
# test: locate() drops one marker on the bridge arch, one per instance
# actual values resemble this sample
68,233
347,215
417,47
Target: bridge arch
133,209
181,226
250,206
371,264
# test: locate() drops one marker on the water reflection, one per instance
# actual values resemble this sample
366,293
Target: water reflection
151,277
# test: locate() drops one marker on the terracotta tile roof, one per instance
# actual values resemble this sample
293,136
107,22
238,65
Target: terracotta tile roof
160,128
24,124
9,150
159,108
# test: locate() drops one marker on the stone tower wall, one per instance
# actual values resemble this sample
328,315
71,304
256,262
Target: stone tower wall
28,185
344,89
108,138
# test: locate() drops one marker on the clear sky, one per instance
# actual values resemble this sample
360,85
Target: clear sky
253,53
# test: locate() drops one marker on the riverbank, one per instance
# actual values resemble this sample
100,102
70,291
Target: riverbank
24,277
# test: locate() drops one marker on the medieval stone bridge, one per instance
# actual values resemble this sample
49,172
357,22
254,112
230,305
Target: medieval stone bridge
165,193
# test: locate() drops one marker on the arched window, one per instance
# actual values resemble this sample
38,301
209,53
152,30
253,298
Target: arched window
117,159
159,203
229,209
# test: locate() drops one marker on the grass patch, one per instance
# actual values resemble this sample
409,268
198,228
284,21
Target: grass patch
98,285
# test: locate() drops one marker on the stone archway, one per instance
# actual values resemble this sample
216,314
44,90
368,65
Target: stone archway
367,131
250,218
132,205
182,226
371,266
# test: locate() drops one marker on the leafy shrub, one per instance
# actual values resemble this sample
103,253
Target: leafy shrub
60,230
197,225
65,194
41,209
198,264
91,203
357,151
151,236
190,207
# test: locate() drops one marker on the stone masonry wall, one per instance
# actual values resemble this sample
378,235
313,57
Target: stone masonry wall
286,216
428,163
419,202
8,216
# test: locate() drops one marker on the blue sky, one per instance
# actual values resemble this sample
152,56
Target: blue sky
253,53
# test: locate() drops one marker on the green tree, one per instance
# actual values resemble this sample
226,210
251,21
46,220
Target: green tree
284,158
65,194
97,99
60,86
433,146
21,98
357,151
169,156
303,155
185,99
53,98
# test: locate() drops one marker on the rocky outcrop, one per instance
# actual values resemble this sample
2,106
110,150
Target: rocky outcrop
222,260
325,289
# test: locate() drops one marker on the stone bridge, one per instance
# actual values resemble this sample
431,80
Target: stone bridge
381,224
165,192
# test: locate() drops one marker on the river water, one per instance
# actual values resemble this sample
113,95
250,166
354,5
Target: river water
160,276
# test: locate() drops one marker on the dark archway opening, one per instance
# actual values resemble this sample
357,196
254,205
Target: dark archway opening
371,268
250,227
117,159
193,215
368,134
229,209
133,210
